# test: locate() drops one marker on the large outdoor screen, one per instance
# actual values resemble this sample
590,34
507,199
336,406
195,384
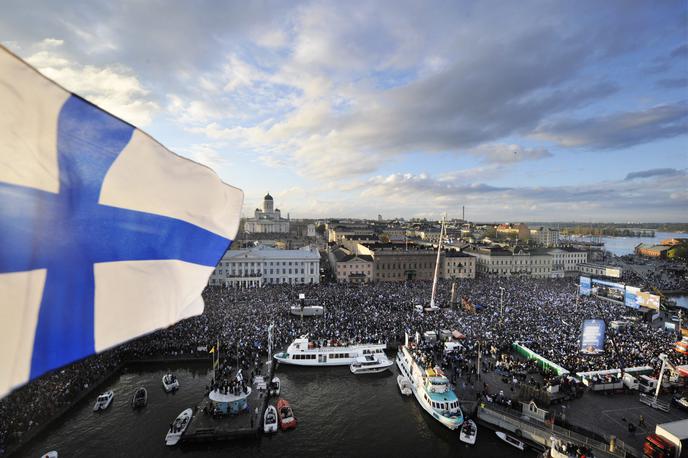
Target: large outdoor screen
585,286
592,337
631,297
609,290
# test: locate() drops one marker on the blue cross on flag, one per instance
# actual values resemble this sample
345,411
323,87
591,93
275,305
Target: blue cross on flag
105,235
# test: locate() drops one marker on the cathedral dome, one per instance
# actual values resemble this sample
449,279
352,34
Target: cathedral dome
267,197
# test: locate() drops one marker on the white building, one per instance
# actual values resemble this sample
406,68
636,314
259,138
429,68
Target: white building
565,261
504,263
267,266
545,236
458,265
268,220
351,267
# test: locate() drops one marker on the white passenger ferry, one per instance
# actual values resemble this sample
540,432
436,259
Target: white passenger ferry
304,352
430,387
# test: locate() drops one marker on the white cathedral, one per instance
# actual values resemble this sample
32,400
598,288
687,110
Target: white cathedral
268,220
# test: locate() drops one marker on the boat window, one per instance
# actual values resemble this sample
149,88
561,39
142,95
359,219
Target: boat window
312,356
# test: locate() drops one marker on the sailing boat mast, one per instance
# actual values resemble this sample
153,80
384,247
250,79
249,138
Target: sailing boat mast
437,265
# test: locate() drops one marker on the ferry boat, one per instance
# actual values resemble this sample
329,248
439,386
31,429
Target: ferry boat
430,387
178,427
370,364
103,401
170,382
303,352
270,420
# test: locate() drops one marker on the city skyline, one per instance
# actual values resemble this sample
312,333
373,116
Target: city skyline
521,112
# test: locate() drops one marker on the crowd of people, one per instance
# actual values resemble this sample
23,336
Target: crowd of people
543,314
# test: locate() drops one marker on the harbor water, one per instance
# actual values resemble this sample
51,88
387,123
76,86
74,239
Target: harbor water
621,246
338,413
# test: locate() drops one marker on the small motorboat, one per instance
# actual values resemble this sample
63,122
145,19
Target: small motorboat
511,440
140,398
270,420
178,427
170,382
285,414
370,364
50,454
404,385
469,432
103,401
275,386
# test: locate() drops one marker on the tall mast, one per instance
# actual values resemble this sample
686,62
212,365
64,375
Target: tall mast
437,265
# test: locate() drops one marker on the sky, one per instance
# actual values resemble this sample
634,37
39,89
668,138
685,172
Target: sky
519,111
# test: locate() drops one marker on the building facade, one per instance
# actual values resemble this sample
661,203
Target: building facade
504,263
262,266
350,267
565,261
458,265
267,220
545,236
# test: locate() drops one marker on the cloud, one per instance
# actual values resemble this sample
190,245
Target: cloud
619,130
501,153
673,83
655,173
114,88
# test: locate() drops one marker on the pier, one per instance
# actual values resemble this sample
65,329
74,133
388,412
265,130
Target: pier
206,428
540,434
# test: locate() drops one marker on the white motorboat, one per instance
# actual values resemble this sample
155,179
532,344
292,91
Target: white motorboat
270,420
275,386
404,385
170,382
511,440
370,364
50,454
178,427
103,401
308,310
469,432
304,352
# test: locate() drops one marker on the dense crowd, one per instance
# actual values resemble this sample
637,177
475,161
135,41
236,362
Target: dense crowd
545,315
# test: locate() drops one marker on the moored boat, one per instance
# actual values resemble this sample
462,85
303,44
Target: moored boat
275,386
430,387
50,454
170,382
285,414
511,440
103,401
370,364
304,352
404,385
270,420
178,427
140,398
469,432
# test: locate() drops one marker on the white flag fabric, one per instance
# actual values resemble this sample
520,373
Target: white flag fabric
105,235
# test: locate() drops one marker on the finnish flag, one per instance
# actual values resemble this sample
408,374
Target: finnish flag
105,235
